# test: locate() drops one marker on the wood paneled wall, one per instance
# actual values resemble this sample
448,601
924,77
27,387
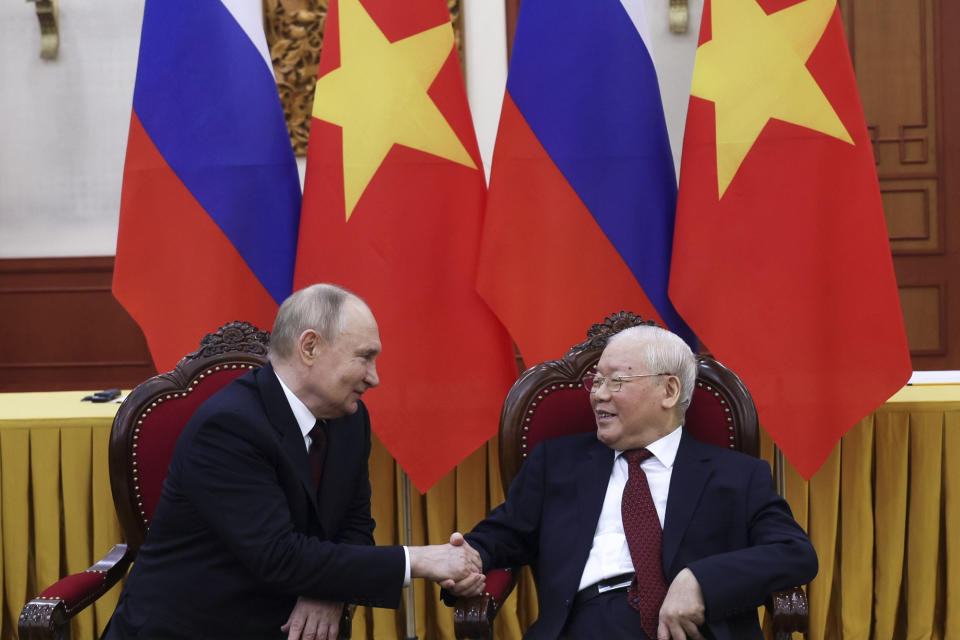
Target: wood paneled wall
61,328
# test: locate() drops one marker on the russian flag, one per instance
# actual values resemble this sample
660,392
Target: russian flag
583,191
210,204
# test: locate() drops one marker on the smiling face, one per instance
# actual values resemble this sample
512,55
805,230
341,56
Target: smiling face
338,372
644,410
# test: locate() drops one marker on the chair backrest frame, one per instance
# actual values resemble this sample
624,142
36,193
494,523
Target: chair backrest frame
235,348
543,383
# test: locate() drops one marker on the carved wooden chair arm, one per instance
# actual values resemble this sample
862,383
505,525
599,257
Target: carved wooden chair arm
346,622
473,617
48,615
791,613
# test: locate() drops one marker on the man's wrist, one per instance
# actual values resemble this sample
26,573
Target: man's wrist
406,566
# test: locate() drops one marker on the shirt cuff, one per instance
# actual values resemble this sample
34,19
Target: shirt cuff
406,567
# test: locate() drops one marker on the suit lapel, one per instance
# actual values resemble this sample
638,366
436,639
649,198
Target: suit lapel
691,469
288,431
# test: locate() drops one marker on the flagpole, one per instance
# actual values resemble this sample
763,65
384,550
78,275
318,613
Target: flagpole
411,622
781,477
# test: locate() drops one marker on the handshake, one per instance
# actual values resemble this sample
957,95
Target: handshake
456,566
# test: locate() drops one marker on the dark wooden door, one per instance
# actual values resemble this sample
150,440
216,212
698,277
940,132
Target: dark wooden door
907,60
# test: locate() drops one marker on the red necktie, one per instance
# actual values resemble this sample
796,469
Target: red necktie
318,445
644,537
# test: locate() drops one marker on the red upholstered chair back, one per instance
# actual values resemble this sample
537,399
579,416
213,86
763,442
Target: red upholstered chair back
548,401
151,418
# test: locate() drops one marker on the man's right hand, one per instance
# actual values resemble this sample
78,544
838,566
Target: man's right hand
446,563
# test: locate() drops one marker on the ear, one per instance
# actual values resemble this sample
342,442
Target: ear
309,345
671,392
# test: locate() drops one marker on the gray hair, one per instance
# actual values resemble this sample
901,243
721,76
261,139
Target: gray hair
318,307
663,351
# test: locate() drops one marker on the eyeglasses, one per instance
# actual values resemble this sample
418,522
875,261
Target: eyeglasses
592,382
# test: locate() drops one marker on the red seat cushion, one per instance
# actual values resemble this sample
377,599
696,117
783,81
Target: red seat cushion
498,580
76,588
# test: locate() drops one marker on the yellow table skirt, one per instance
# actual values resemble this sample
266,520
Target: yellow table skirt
883,513
56,508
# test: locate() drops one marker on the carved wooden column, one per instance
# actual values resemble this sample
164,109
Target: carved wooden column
295,35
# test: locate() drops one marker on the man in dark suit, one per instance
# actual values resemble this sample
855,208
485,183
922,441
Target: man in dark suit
263,528
638,530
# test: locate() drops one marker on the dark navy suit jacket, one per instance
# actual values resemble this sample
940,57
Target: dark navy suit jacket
240,532
724,521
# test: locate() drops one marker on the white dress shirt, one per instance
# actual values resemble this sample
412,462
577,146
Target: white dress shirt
306,420
610,554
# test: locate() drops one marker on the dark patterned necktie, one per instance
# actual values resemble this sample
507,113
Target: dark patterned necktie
645,539
318,447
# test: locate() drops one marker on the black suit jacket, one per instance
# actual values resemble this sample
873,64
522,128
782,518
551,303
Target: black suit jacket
724,521
240,532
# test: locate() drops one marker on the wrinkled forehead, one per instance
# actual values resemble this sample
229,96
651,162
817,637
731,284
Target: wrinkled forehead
623,356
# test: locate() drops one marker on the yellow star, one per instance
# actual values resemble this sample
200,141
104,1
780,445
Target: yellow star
754,69
378,96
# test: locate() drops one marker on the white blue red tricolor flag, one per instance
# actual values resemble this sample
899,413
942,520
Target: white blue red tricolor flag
211,198
579,220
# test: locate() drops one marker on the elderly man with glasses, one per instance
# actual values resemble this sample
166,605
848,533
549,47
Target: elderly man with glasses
637,530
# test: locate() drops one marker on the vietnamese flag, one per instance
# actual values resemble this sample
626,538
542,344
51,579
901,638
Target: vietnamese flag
392,210
781,262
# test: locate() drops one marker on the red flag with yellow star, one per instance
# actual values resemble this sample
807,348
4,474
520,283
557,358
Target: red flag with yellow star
392,208
781,263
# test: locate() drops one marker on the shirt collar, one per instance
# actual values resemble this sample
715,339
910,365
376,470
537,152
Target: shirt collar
664,449
305,419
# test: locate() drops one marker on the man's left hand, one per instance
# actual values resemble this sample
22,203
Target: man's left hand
682,610
313,620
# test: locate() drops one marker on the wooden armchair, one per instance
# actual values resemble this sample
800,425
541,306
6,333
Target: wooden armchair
144,433
548,401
